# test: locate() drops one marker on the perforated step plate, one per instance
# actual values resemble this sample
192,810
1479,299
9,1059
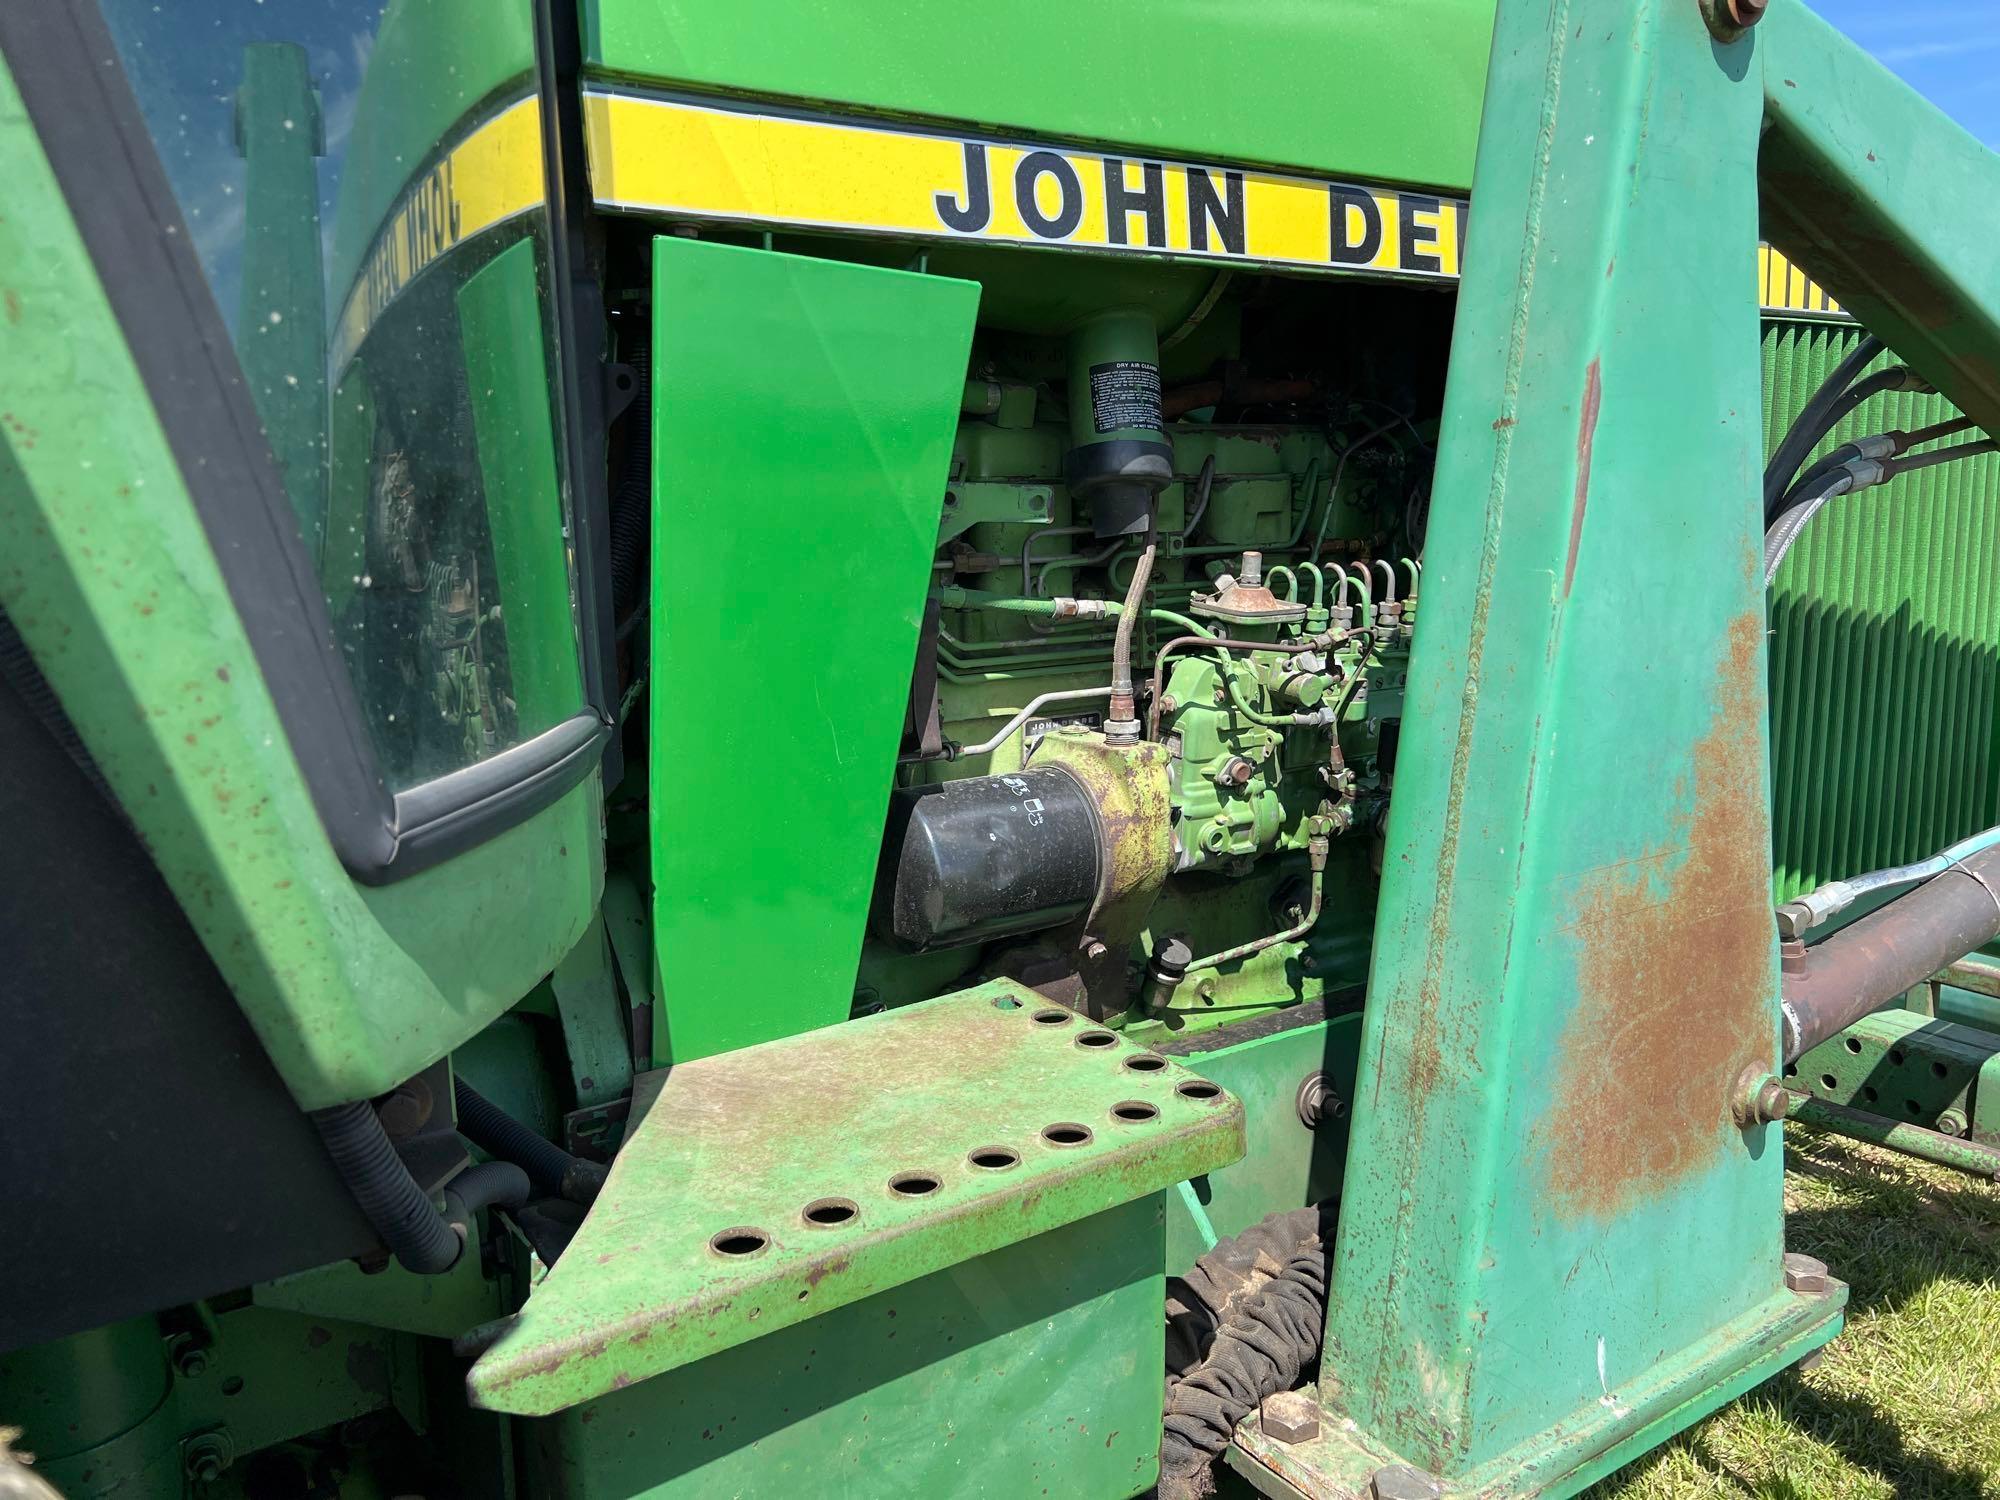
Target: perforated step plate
762,1187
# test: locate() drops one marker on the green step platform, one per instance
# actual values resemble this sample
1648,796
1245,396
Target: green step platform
762,1187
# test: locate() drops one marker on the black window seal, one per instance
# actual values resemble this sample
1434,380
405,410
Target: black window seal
66,67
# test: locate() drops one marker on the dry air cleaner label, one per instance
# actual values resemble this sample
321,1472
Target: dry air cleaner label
672,157
1125,394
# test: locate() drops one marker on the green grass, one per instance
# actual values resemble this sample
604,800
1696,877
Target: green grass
1906,1403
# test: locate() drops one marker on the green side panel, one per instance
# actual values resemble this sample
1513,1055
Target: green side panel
507,379
1031,1371
1287,1165
1352,87
938,1132
1885,646
812,406
113,585
432,61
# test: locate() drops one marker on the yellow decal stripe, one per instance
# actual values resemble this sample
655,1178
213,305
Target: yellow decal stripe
671,157
704,162
492,175
674,158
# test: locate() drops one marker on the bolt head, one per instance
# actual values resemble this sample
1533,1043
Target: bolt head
191,1362
1806,1276
1952,1122
1289,1417
1402,1482
1311,1100
205,1456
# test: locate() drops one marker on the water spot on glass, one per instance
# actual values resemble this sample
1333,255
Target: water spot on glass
276,316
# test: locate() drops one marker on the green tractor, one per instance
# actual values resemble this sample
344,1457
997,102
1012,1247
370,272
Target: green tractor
810,749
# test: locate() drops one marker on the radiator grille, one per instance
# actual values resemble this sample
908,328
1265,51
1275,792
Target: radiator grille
1885,648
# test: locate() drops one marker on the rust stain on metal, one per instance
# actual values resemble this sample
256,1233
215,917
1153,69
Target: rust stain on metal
1672,976
1586,440
823,1269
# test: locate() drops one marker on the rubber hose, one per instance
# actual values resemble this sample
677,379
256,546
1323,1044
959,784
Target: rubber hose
402,1213
631,501
500,1135
489,1184
1811,425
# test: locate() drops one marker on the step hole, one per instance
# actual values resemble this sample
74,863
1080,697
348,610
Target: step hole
1916,1110
1145,1062
1053,1017
1067,1133
1096,1039
994,1158
1869,1093
1828,1081
1853,1045
1134,1111
830,1213
1939,1070
914,1184
1199,1089
1895,1057
740,1242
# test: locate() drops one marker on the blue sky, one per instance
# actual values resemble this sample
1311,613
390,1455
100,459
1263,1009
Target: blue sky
1948,50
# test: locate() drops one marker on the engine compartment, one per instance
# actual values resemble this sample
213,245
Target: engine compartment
1276,432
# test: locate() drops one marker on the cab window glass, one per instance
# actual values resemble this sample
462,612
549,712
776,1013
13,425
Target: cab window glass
363,187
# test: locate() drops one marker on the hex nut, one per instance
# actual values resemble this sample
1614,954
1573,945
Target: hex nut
1312,1099
1760,1099
1402,1482
205,1455
1806,1276
1289,1417
1952,1122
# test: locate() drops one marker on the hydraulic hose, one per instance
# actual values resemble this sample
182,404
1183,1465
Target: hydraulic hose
1820,905
1812,423
1121,720
488,1184
1791,525
1809,497
1881,445
402,1213
551,1170
1864,966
